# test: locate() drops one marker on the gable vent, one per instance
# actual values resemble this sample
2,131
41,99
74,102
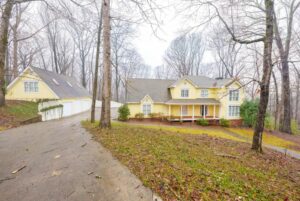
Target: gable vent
55,81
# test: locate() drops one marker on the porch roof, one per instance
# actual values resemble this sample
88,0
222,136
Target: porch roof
197,101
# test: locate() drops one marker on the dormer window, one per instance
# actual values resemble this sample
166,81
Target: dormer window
204,93
184,93
55,81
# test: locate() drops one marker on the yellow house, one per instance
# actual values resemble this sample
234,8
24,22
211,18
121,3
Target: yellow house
186,99
37,84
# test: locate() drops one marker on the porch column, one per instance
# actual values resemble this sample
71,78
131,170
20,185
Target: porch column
193,113
204,111
180,112
214,111
169,111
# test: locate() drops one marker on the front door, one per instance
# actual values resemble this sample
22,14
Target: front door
204,110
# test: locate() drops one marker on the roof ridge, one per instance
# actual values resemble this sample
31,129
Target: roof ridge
151,79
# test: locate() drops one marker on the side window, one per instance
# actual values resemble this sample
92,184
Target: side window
234,111
204,93
31,86
234,95
184,93
146,109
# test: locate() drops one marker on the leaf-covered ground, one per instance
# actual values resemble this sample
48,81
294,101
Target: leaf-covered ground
15,112
236,134
200,167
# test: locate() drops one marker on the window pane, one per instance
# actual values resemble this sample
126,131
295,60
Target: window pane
184,93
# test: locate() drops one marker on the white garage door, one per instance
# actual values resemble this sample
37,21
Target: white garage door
75,107
67,109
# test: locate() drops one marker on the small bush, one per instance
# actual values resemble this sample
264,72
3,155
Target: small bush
202,122
224,122
139,116
294,127
124,113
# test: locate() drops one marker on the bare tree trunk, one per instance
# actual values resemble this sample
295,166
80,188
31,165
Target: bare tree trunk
285,125
297,98
3,47
117,78
96,69
106,93
267,70
276,101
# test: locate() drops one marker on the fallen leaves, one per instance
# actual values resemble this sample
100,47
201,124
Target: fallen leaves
199,167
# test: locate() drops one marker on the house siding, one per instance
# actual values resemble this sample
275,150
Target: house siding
16,90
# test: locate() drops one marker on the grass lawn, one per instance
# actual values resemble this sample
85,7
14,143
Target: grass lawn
15,112
267,138
200,167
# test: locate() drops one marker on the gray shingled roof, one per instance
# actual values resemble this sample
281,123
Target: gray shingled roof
194,101
157,89
62,89
204,82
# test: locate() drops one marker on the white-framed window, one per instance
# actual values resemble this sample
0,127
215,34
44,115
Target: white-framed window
184,93
204,93
234,95
184,110
31,86
234,111
146,109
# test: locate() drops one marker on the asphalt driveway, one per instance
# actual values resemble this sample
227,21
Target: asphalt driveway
60,161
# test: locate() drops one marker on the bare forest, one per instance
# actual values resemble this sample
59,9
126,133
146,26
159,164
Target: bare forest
95,41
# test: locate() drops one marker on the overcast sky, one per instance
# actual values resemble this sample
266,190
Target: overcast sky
152,47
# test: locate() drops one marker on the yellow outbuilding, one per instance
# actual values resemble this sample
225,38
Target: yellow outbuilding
35,84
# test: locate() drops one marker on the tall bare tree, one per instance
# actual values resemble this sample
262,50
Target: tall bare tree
4,24
105,121
265,82
95,84
284,51
185,55
248,38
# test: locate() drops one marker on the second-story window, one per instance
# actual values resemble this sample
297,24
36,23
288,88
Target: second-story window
31,86
184,93
234,95
204,93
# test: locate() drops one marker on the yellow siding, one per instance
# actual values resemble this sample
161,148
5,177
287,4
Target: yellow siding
16,90
193,91
134,108
184,84
225,102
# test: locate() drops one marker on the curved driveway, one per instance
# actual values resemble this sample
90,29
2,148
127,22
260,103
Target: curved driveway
62,163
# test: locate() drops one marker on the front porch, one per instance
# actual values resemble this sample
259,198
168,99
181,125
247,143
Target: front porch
192,112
